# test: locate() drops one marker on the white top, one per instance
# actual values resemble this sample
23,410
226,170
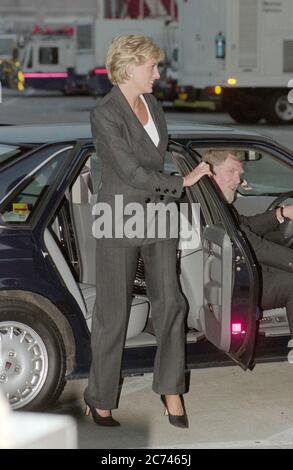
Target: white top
150,126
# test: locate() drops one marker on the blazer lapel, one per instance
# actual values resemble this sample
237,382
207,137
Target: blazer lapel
129,114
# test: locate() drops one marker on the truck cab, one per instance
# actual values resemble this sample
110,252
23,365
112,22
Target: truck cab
46,62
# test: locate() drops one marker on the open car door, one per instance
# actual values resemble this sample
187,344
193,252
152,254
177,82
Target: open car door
229,315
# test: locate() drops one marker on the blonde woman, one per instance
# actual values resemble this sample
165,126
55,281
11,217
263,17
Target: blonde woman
130,135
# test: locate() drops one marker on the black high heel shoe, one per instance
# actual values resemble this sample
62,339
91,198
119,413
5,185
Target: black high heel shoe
180,421
98,419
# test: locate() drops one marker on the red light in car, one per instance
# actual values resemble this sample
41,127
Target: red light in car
237,329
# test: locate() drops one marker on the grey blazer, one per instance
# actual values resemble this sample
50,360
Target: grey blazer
132,166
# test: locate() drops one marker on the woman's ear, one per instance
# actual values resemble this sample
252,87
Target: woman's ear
129,70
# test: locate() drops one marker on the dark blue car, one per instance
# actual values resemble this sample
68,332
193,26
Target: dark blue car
49,177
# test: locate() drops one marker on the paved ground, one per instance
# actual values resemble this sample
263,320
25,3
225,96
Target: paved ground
227,408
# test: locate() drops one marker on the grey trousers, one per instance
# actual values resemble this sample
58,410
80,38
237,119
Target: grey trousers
116,269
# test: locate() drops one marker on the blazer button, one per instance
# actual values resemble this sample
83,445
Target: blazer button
162,197
174,191
158,189
166,191
147,200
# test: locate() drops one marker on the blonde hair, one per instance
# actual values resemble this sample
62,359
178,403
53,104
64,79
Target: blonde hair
130,49
216,157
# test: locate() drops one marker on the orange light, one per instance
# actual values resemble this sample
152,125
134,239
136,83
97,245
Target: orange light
232,81
218,90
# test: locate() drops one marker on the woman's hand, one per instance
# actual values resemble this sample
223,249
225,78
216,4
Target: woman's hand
195,175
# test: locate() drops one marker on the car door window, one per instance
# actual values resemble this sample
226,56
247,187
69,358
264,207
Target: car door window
266,176
22,203
9,152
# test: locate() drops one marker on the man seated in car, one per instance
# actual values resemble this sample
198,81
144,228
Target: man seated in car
276,261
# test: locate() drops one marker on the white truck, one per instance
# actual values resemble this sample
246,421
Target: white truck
240,50
8,42
72,58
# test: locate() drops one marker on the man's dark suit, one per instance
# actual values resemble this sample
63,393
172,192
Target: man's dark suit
276,262
132,166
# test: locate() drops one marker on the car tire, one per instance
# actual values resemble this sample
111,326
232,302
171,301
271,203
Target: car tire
278,110
32,356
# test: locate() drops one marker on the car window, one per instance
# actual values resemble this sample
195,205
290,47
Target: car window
24,163
266,176
22,204
8,152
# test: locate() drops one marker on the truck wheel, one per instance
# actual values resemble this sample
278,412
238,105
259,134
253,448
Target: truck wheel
33,360
248,111
278,110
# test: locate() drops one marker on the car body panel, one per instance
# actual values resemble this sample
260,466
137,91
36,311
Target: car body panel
45,133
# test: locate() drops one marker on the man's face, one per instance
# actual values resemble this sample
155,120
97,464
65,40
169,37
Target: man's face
228,176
